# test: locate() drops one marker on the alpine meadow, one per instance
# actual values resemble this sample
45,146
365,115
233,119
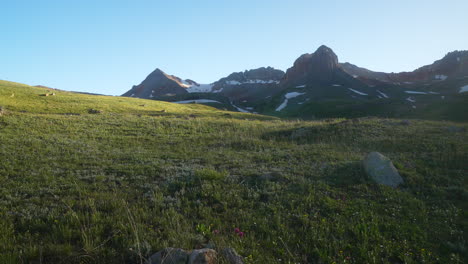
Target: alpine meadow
302,132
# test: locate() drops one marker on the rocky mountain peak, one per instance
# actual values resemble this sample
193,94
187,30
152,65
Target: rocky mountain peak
156,84
318,66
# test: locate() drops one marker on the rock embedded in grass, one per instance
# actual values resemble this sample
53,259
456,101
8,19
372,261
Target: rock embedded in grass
94,111
197,256
381,170
203,256
169,256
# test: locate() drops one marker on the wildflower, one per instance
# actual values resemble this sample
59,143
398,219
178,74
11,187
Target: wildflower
216,231
237,230
241,234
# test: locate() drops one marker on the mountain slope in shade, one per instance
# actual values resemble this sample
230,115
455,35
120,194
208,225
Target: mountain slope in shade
160,84
250,85
452,65
157,83
317,80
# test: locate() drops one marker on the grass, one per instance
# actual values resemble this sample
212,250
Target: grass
116,186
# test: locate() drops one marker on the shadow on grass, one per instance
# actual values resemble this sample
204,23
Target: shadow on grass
350,173
317,133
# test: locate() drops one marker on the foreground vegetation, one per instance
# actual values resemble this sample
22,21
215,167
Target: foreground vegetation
135,176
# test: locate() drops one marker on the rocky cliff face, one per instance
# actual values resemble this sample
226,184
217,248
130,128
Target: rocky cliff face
320,66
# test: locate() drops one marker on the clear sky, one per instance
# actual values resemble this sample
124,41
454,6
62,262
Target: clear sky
107,46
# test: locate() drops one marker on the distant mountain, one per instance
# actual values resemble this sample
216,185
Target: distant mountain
452,65
321,76
319,67
317,84
160,84
250,85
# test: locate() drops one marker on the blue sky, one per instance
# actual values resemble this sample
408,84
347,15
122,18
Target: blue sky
108,46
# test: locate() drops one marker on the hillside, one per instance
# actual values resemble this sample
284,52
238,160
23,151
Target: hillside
100,179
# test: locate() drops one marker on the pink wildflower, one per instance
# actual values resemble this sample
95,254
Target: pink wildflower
237,230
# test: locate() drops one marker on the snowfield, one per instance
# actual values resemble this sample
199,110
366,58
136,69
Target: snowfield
239,109
382,94
414,92
197,101
358,92
464,89
256,81
440,77
409,99
202,88
292,95
287,97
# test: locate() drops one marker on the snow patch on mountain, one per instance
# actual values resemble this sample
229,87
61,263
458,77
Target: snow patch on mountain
409,99
464,89
301,86
286,99
292,95
200,88
197,101
239,109
415,92
233,82
356,91
440,77
384,95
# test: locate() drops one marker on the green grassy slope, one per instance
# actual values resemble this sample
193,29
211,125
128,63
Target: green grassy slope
117,186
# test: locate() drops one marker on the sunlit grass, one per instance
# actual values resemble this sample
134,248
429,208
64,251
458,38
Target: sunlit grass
117,186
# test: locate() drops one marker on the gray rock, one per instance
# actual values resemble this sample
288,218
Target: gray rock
231,256
381,170
169,256
203,256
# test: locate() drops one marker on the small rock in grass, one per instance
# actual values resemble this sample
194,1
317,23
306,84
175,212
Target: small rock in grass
231,256
381,170
94,111
203,256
